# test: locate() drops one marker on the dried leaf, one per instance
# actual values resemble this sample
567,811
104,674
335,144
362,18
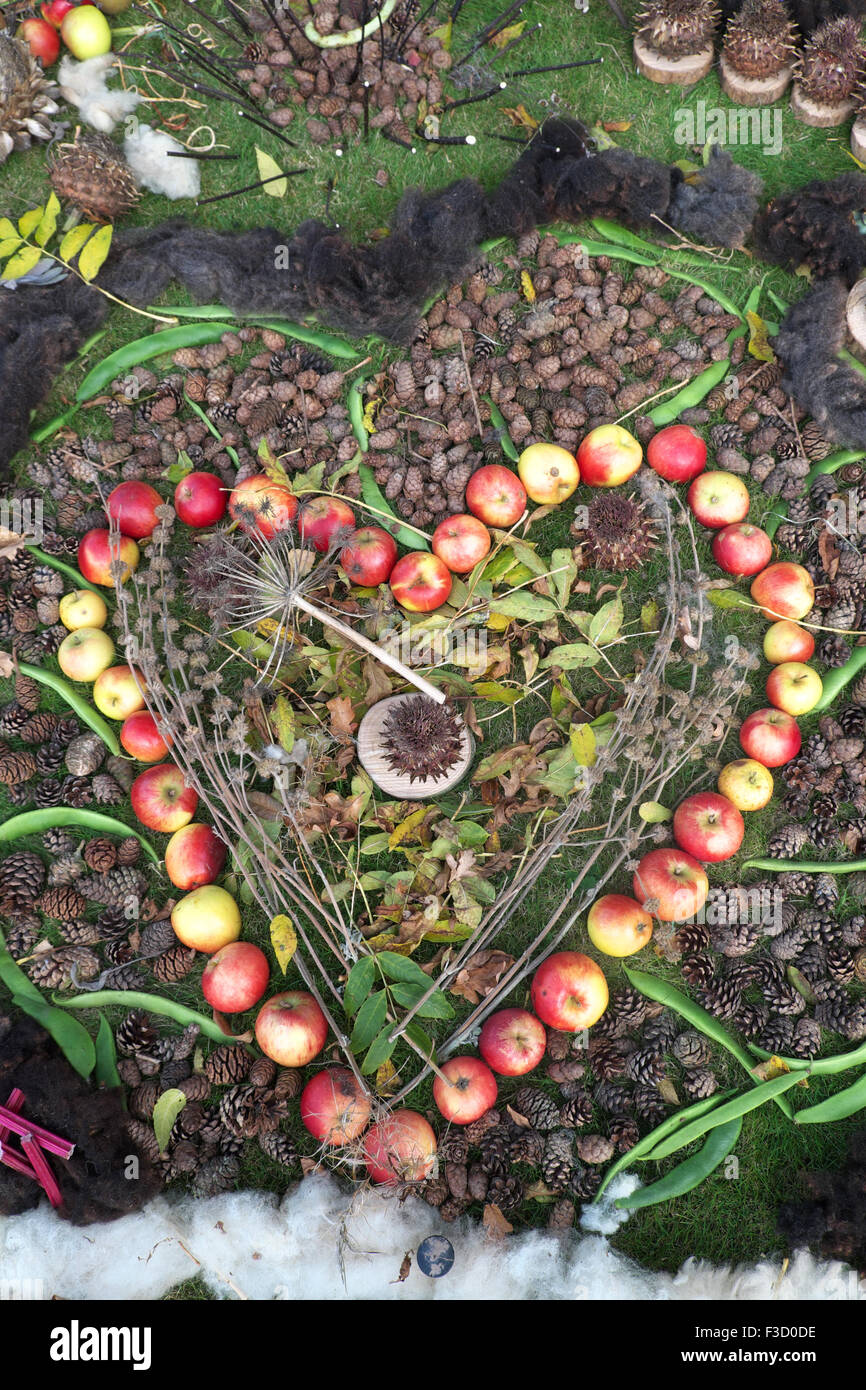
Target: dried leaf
7,665
616,125
10,543
519,116
405,1268
342,718
494,1223
668,1091
443,34
406,827
225,1027
505,36
284,940
540,1192
519,1119
481,974
828,549
308,1165
759,344
386,1079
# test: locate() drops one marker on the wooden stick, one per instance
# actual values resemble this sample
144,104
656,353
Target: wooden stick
366,645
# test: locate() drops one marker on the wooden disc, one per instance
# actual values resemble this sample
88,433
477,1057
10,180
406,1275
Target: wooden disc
398,784
753,91
677,72
858,139
816,113
855,311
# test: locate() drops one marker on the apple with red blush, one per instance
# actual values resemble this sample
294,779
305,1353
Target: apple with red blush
670,884
334,1106
496,496
461,542
512,1042
195,855
709,826
291,1028
200,500
235,977
369,556
677,453
742,548
161,799
569,991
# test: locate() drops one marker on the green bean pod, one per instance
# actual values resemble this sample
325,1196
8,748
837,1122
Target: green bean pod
827,465
105,1071
836,680
34,822
13,977
605,248
350,36
688,1174
153,1003
376,502
819,1066
62,568
649,1141
82,707
806,866
206,420
663,993
692,394
731,1110
356,414
498,421
143,349
838,1107
621,236
315,337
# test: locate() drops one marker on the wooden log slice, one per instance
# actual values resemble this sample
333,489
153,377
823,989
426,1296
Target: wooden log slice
677,72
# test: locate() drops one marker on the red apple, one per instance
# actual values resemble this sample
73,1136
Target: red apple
334,1106
400,1148
42,40
468,1091
617,925
747,783
608,456
325,521
512,1042
161,799
200,499
496,495
117,692
420,582
141,738
677,453
784,590
195,855
235,977
670,884
742,548
96,553
260,505
369,556
133,506
709,826
771,737
207,919
785,641
718,499
54,11
569,991
291,1028
794,687
548,472
461,541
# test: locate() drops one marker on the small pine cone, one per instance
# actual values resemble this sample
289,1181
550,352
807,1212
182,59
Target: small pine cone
173,1072
787,842
28,693
143,1138
608,1057
106,791
63,903
699,1082
527,1146
722,999
806,1038
557,1164
435,1192
562,1215
76,792
454,1147
39,728
648,1104
693,938
505,1192
174,964
624,1133
289,1083
58,842
84,755
55,969
613,1097
128,851
477,1182
279,1148
143,1099
100,855
457,1180
16,767
577,1110
563,1072
226,1065
157,937
80,933
825,893
698,970
263,1072
22,877
195,1087
784,1000
692,1049
558,1044
478,1129
536,1106
128,1070
135,1034
840,964
833,651
629,1005
660,1030
646,1066
594,1148
495,1147
584,1184
217,1175
22,932
856,1025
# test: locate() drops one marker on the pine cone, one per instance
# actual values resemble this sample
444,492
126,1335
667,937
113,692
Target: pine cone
289,1083
495,1149
787,842
143,1098
649,1104
577,1109
557,1165
646,1066
777,1035
263,1072
476,1131
594,1148
624,1133
16,767
84,755
128,851
135,1034
55,969
118,888
226,1065
629,1005
279,1148
536,1106
806,1038
174,964
699,1082
22,877
722,999
22,932
100,855
80,933
173,1072
692,1049
106,791
143,1138
615,1098
825,893
58,841
609,1057
217,1175
64,903
698,970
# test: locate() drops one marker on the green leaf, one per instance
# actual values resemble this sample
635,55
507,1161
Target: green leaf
649,616
570,656
176,472
470,834
380,1050
443,34
7,231
48,222
563,562
270,169
582,739
421,1039
283,717
498,694
528,607
21,262
94,253
165,1112
437,1006
371,1016
29,220
654,813
312,480
74,240
361,979
729,598
106,1072
525,553
398,967
75,1043
606,623
375,844
8,245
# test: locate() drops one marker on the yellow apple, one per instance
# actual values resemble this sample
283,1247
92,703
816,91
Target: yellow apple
85,653
116,694
608,456
207,919
618,926
548,472
83,608
747,783
794,687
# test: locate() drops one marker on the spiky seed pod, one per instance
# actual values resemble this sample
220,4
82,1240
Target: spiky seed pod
832,62
677,28
760,39
27,98
619,535
92,174
22,877
226,1065
422,739
691,1049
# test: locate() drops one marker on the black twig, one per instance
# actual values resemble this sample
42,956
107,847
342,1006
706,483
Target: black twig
249,187
554,67
198,154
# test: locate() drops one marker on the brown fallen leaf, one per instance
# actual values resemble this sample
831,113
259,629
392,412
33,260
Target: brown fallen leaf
405,1268
616,125
481,974
494,1223
10,543
540,1192
519,1119
308,1165
342,720
7,665
668,1091
828,549
225,1027
519,116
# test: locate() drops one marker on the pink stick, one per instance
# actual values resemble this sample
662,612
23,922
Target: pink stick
17,1164
30,1145
14,1103
52,1142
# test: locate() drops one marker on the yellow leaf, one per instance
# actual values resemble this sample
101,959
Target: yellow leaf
859,163
370,412
270,169
519,116
74,240
48,222
8,245
21,262
405,828
654,813
6,229
386,1079
29,220
759,345
504,37
582,739
769,1070
617,125
443,34
805,271
527,286
386,941
94,253
283,717
498,622
284,940
649,616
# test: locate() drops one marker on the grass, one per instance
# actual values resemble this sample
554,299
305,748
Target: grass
724,1219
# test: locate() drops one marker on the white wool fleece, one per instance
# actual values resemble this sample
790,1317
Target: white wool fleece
147,150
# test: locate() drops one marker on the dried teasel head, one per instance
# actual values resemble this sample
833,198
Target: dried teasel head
421,739
619,535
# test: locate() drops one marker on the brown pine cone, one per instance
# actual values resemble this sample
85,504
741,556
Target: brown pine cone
226,1065
594,1148
53,969
128,851
476,1131
143,1098
100,855
63,903
289,1083
263,1072
16,767
174,964
27,692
